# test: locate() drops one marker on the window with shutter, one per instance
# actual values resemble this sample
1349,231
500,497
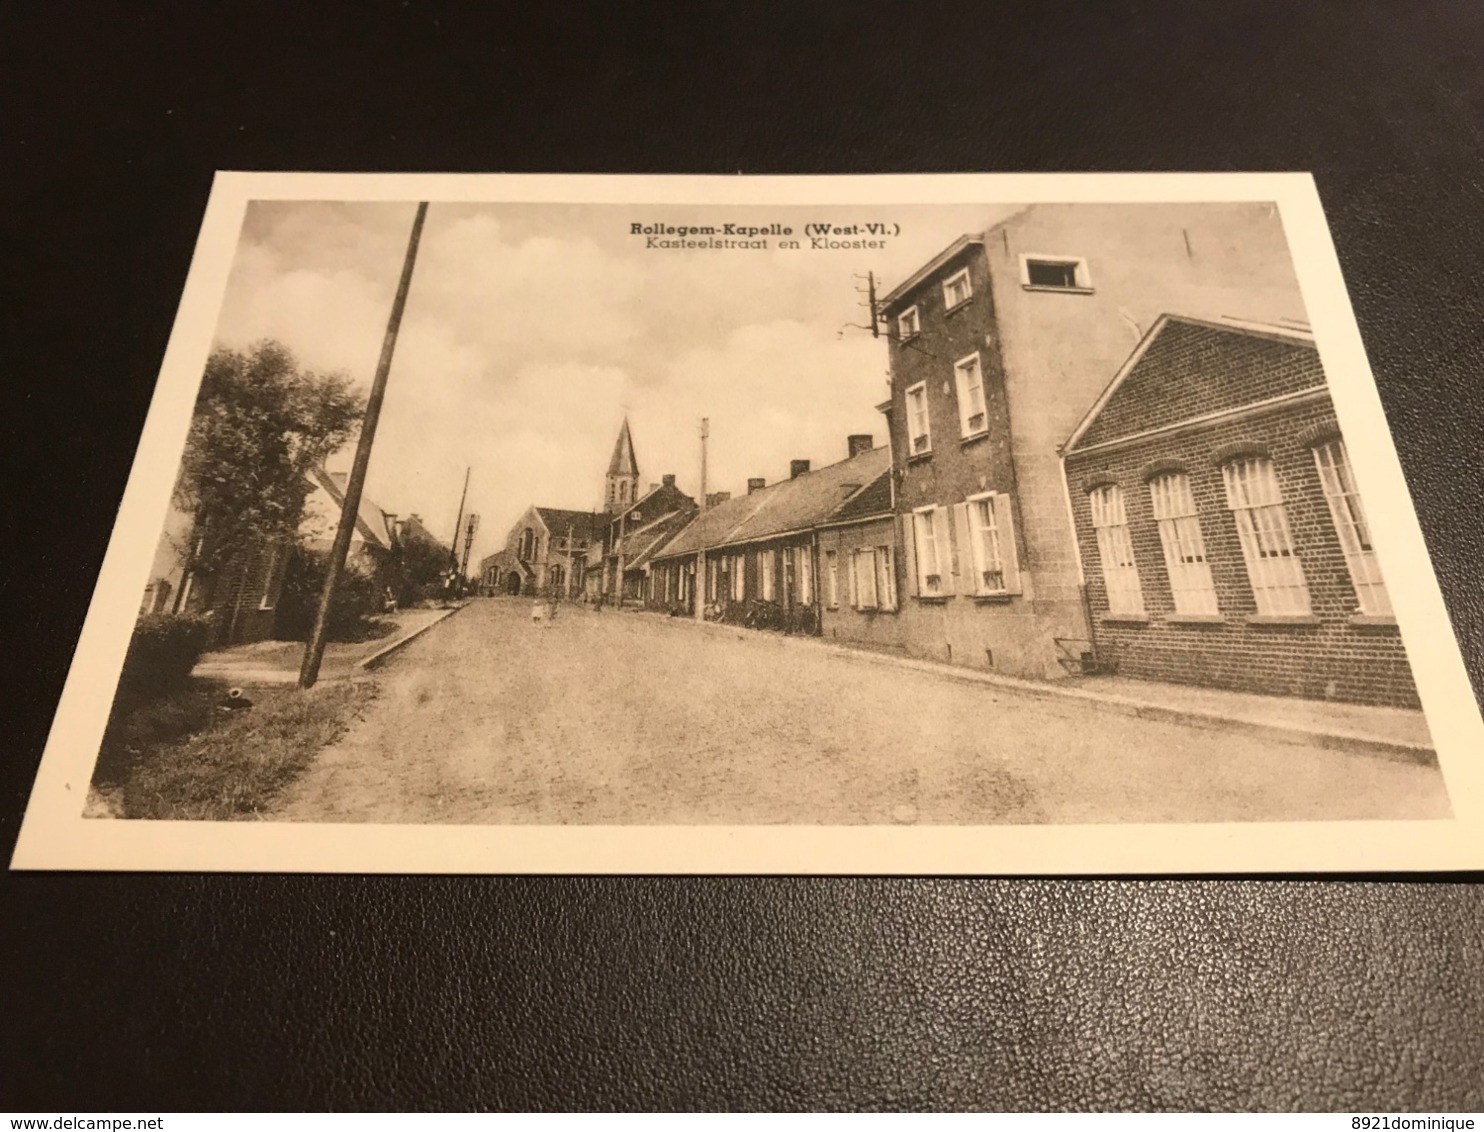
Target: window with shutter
931,554
972,417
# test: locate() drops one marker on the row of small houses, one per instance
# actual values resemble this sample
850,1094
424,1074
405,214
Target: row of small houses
1076,481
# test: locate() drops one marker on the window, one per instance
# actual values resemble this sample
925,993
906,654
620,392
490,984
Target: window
527,545
1185,549
928,537
713,570
985,547
971,416
267,599
789,577
738,568
806,575
918,438
831,579
1054,273
1116,551
886,578
765,568
908,324
957,290
863,579
1267,544
1350,524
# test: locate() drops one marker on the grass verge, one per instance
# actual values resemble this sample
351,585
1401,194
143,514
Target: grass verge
183,757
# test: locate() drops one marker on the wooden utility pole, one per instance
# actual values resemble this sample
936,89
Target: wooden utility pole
569,561
350,507
459,520
701,591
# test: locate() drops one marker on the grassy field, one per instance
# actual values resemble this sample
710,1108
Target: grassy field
185,757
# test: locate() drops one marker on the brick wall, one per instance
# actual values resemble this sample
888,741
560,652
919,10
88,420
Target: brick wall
1338,658
878,628
1212,369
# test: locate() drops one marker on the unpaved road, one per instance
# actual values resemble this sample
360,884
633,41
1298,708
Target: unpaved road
626,718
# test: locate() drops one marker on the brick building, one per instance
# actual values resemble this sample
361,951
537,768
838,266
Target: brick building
762,548
1220,530
544,553
859,578
997,347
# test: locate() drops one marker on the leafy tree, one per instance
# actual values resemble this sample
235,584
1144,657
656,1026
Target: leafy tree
261,423
419,567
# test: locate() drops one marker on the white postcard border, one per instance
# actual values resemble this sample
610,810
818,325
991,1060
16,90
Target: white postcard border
55,835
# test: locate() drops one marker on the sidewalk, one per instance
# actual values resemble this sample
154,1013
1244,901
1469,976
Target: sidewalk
1393,732
277,662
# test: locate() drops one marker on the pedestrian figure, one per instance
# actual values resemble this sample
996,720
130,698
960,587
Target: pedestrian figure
538,612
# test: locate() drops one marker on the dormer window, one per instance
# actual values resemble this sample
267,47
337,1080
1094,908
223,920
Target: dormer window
1055,273
957,290
908,324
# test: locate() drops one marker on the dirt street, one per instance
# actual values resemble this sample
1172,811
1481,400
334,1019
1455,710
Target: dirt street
625,718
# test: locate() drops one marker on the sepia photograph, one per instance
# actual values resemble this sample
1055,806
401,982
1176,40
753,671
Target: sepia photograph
892,515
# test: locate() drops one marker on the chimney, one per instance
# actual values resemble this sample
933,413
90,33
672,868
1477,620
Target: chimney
668,480
796,468
715,497
756,484
859,442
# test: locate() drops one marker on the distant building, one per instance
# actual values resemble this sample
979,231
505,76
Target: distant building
860,578
1222,535
544,553
997,347
241,596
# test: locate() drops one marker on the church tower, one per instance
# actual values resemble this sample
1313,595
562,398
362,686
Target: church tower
623,474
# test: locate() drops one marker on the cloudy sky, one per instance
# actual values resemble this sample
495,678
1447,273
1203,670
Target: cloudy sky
531,330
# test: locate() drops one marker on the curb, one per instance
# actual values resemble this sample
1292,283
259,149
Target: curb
1398,749
375,660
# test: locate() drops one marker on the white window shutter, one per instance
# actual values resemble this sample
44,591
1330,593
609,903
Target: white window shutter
945,526
1004,517
963,539
909,550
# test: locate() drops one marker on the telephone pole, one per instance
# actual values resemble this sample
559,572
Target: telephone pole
471,524
350,507
700,595
459,520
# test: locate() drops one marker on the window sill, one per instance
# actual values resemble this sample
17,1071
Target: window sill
1195,619
1296,620
1057,290
1003,597
903,339
919,457
974,437
933,599
957,306
1373,620
1124,618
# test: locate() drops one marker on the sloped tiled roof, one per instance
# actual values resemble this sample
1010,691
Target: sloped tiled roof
640,546
371,521
789,505
585,525
869,501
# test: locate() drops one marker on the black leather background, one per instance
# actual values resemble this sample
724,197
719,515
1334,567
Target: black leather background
180,992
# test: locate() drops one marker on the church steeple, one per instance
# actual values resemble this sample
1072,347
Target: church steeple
623,473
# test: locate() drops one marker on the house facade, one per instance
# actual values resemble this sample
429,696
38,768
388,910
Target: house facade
762,548
860,577
241,595
997,347
544,553
1222,535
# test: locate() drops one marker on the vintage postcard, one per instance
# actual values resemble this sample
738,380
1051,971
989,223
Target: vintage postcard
954,524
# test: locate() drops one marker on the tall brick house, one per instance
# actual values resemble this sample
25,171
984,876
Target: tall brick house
1221,532
997,347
